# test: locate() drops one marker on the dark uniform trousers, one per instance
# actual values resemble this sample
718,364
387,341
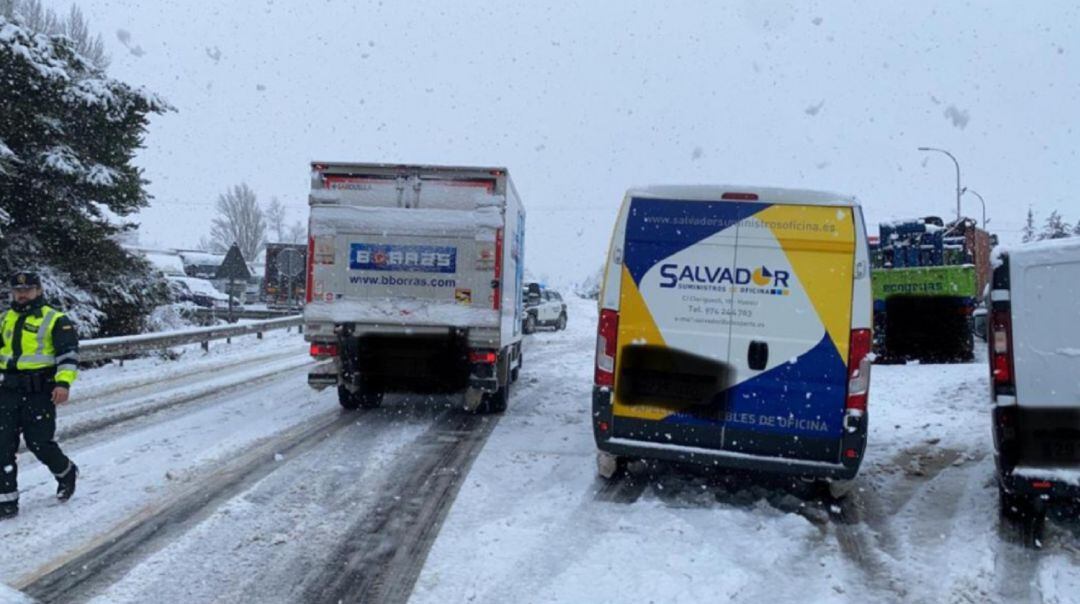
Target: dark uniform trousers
31,412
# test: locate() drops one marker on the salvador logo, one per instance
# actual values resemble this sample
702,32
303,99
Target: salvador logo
692,275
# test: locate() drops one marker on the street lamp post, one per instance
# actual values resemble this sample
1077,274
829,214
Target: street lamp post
981,201
957,175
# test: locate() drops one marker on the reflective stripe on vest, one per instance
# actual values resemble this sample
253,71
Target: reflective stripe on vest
37,353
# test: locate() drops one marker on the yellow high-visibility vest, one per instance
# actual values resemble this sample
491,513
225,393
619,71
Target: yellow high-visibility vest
38,351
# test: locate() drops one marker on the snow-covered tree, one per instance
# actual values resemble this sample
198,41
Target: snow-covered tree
68,134
240,220
1055,227
1029,227
40,20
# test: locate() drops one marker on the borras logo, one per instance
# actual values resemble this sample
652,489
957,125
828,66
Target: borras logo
698,276
410,258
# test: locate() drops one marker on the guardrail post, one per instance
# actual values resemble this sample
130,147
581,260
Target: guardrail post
258,334
228,340
206,345
300,328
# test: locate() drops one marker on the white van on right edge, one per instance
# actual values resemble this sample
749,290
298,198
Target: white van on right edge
735,331
1034,356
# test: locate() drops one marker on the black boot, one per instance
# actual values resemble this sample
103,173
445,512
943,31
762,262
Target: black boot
65,485
9,510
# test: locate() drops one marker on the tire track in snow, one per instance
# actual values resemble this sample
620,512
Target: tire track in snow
77,575
153,408
381,556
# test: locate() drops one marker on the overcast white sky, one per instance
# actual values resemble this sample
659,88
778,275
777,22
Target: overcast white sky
581,100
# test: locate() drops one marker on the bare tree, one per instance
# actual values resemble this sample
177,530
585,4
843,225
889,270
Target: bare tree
44,21
240,220
297,233
275,218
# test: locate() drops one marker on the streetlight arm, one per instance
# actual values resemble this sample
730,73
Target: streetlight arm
957,164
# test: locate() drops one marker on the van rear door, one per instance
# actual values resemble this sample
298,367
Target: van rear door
1045,287
675,300
790,330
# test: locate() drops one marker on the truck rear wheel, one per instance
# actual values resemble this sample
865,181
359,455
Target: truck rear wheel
358,400
494,402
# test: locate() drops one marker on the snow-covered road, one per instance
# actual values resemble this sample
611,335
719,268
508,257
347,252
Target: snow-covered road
223,477
534,524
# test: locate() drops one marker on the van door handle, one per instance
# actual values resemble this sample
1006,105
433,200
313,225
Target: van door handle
758,355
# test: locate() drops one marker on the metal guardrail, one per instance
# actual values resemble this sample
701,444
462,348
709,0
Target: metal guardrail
110,348
218,313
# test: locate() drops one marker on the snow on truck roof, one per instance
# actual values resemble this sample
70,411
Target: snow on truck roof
765,194
423,167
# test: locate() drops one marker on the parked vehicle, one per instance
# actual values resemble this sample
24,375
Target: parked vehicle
1034,349
734,330
283,285
200,292
543,308
414,282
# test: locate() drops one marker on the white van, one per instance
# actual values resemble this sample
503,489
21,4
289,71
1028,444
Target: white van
1034,356
735,328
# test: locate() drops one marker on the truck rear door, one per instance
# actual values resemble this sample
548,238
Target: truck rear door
790,330
408,244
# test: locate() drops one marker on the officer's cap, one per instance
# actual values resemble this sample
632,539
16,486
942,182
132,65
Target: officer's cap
24,280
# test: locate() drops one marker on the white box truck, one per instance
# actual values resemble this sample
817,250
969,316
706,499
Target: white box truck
1034,341
414,282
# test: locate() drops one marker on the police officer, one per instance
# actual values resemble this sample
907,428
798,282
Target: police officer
39,360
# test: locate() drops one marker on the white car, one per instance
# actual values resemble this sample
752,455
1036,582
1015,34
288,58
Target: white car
200,292
543,307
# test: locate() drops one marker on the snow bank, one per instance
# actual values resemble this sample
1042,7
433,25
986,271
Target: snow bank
10,596
402,312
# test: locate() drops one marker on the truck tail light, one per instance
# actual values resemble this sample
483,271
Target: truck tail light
607,333
323,350
859,370
486,357
1001,346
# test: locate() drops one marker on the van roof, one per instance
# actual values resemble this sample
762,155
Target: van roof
774,195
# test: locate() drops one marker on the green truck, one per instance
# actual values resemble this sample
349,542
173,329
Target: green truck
927,279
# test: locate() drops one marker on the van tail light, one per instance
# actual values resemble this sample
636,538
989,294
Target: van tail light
1001,347
496,284
309,291
859,370
322,350
607,333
